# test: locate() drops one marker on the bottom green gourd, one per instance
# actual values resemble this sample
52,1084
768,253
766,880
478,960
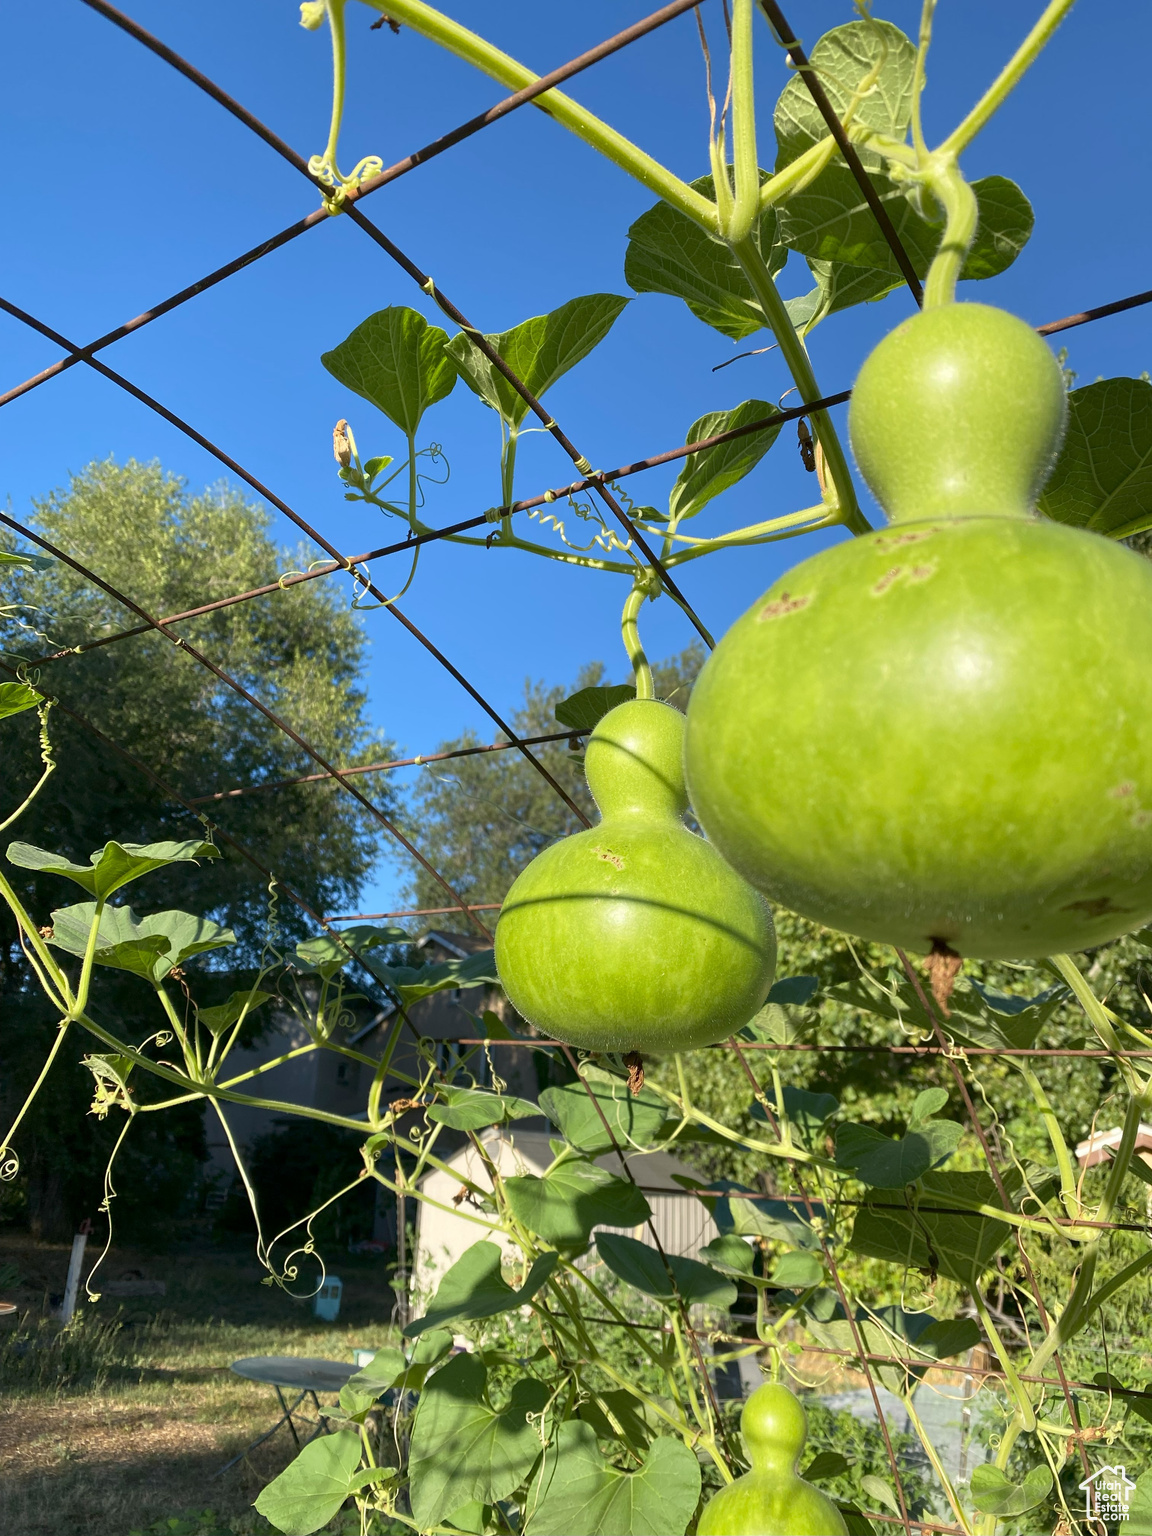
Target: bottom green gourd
772,1499
635,935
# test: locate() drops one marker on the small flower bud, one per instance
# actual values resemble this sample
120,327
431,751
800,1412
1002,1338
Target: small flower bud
312,14
342,444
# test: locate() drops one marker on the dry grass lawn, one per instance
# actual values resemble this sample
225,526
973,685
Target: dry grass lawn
124,1421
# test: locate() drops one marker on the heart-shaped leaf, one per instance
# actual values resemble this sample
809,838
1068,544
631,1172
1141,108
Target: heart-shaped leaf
224,1015
916,1339
330,952
708,473
995,1493
474,1288
797,1271
731,1255
884,1162
747,1213
843,58
580,1110
312,1488
831,221
112,866
641,1266
381,1372
934,1234
470,1109
1102,478
462,1449
825,1465
538,351
669,253
396,360
577,1493
17,697
412,982
147,946
571,1199
583,711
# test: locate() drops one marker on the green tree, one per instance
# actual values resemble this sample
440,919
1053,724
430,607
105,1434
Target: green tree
299,650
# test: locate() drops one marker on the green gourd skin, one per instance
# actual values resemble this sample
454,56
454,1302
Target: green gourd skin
635,935
942,732
772,1499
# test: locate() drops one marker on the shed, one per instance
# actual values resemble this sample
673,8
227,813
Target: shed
445,1230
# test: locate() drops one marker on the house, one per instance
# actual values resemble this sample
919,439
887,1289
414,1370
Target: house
1099,1147
1107,1494
324,1080
444,1228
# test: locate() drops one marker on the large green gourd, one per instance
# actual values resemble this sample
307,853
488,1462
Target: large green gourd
772,1499
635,935
940,734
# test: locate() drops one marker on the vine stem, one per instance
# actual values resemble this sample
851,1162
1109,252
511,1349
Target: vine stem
630,634
500,66
796,357
1010,76
335,10
956,197
745,159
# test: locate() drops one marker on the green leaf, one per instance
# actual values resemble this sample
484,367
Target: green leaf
825,1465
312,1488
959,1246
17,697
628,1412
843,58
1102,478
669,253
224,1015
731,1255
412,982
1139,1521
469,1109
797,1271
381,1372
112,866
794,990
576,1493
985,1018
705,475
331,952
831,221
474,1288
880,1492
890,1163
28,562
633,1119
807,1112
462,1449
779,1220
584,710
538,351
395,359
571,1199
641,1266
995,1494
147,946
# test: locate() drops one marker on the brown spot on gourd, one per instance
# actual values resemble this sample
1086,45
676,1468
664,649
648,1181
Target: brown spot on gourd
921,572
1097,906
1140,819
780,606
887,579
609,857
1122,791
895,540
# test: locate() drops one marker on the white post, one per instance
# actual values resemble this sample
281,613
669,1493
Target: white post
68,1307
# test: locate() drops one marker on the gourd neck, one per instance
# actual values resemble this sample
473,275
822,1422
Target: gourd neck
635,761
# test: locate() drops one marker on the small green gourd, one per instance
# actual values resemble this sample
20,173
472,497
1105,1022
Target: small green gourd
772,1499
635,935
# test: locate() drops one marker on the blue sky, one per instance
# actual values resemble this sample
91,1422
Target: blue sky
131,183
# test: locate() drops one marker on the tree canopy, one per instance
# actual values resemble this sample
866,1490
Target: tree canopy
299,650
